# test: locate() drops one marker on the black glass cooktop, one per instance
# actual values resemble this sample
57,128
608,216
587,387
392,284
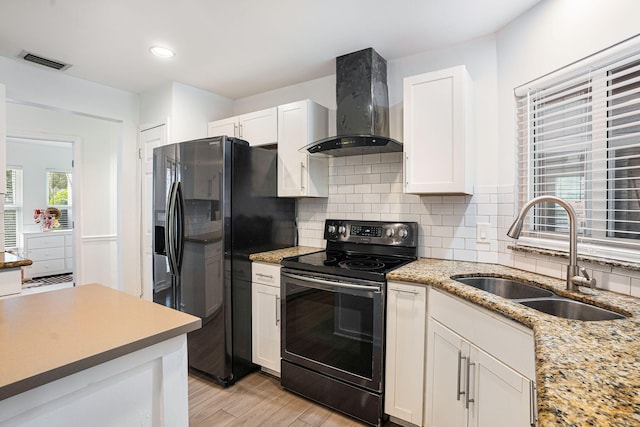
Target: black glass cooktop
357,265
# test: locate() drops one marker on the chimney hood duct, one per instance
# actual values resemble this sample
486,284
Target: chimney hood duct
362,115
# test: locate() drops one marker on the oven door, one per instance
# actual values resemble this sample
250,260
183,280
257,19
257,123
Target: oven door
334,326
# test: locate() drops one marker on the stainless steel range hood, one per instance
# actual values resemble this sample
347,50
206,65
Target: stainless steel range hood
362,115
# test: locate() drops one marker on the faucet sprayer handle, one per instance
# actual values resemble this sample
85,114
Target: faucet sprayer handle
590,282
584,273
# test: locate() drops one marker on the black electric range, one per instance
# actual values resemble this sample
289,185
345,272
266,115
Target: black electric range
361,249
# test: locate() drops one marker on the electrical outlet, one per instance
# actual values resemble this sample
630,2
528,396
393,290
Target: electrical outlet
482,232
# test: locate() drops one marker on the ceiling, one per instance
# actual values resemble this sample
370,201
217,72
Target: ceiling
236,48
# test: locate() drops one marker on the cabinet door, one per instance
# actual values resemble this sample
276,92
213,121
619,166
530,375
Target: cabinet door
405,357
437,134
300,175
445,394
266,326
260,127
501,396
292,135
227,127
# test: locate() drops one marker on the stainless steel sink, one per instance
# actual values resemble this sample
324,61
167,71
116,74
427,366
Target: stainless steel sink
506,288
570,309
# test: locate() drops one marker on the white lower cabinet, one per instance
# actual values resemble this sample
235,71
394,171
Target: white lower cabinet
405,351
265,316
479,368
468,387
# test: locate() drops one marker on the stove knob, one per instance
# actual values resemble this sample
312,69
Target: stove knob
390,232
403,233
342,230
331,229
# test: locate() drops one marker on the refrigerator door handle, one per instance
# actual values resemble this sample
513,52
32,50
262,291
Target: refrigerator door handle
179,227
170,229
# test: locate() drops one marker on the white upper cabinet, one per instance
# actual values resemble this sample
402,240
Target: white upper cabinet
227,127
301,175
257,128
438,134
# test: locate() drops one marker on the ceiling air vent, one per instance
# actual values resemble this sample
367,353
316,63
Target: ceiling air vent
50,63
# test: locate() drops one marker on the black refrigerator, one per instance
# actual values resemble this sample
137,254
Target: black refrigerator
214,203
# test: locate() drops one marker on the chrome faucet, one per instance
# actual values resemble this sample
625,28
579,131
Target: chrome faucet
576,276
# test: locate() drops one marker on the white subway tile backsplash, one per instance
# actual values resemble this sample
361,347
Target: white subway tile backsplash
488,257
464,255
612,282
635,287
396,187
370,188
353,160
353,179
362,169
381,188
362,188
442,209
391,177
371,198
353,198
373,178
337,179
380,168
441,231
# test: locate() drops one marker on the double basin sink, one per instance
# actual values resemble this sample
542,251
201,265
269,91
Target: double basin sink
539,299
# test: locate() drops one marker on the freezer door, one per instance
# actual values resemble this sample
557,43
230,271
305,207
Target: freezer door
165,170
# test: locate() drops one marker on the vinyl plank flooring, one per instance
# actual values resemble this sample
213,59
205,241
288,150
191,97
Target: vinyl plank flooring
257,400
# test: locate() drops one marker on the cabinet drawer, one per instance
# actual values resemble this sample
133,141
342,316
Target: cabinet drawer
46,242
506,340
267,274
45,254
45,268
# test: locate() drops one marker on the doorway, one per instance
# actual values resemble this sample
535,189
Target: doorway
39,209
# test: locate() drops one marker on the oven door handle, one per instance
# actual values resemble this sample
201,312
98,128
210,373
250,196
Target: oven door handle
329,283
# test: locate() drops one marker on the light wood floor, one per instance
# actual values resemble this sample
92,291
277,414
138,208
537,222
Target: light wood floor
256,400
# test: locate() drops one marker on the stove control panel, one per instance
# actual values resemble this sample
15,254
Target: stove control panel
373,232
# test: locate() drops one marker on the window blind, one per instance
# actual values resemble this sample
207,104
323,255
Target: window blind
579,139
12,207
59,195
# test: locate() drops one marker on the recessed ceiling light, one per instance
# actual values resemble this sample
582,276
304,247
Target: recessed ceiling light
161,52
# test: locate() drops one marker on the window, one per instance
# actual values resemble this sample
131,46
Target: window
59,196
579,139
12,207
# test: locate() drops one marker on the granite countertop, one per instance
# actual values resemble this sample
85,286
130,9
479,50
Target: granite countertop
9,260
275,257
587,373
50,335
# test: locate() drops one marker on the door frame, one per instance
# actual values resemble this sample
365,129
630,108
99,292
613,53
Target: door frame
146,287
76,189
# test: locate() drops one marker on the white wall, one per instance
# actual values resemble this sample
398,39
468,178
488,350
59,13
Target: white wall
58,91
553,34
186,110
35,159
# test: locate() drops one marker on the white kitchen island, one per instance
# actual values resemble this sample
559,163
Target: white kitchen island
91,355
